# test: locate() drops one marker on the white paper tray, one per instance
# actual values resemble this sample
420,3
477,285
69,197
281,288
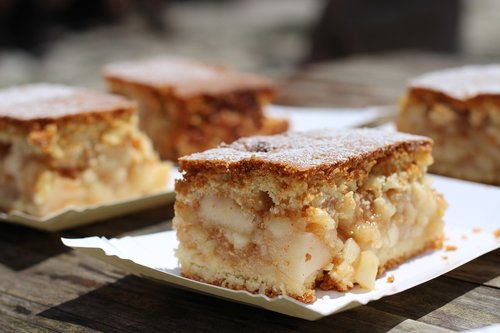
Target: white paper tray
74,217
471,206
301,118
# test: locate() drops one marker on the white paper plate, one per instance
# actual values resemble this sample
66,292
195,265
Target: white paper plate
471,207
301,118
77,216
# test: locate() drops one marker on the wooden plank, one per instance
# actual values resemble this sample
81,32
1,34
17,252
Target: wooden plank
21,247
15,310
131,296
57,279
474,309
412,326
485,270
363,80
367,319
13,325
313,92
441,299
137,304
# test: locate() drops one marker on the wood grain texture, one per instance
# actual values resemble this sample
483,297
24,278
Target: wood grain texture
364,80
485,272
474,309
411,326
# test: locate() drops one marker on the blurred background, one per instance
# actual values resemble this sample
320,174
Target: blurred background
322,52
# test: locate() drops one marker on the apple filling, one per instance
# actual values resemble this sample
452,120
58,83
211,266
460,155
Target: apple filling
55,167
265,240
286,214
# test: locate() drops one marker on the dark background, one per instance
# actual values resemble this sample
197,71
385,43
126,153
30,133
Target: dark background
68,41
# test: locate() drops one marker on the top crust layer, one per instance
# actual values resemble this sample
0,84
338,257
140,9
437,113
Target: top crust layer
47,101
299,152
184,78
461,83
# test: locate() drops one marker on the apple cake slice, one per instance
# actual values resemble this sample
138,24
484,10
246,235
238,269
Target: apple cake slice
187,107
62,146
459,109
287,213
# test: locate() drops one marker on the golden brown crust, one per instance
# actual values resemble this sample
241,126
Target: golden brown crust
308,297
431,97
185,78
463,83
266,92
84,119
32,107
303,154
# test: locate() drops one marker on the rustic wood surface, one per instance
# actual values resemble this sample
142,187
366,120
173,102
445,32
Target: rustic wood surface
365,80
47,287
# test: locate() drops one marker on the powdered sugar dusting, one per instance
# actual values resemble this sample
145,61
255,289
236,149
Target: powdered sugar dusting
42,101
309,149
184,77
33,93
162,70
462,83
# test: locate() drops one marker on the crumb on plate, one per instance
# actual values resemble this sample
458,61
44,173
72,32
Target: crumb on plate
450,248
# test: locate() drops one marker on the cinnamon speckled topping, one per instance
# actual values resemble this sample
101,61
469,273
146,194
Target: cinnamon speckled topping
49,101
462,83
186,78
305,150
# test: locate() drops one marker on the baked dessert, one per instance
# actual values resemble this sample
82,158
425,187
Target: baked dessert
62,146
460,110
186,107
287,213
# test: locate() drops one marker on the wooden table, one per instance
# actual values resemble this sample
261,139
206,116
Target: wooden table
47,287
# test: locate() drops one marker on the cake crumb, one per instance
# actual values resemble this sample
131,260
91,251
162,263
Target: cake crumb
450,248
476,230
497,233
308,257
390,278
464,237
445,257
